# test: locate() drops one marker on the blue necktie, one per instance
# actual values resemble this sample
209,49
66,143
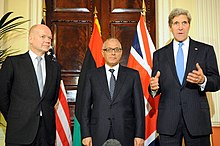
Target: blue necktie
180,63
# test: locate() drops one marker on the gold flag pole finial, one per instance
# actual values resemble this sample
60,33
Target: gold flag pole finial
143,8
95,12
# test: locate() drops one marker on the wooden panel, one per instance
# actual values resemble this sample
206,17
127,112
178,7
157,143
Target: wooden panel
126,11
70,55
70,5
150,19
120,30
119,6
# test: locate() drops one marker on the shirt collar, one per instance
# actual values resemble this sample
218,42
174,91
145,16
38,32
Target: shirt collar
185,43
116,67
33,55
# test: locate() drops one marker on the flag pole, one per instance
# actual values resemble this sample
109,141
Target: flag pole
95,12
96,20
144,10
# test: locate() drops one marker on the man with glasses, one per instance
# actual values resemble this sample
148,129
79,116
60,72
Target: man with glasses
113,102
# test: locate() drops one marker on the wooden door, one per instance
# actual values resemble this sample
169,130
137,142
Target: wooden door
71,22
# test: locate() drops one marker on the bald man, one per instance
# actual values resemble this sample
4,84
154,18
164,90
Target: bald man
27,99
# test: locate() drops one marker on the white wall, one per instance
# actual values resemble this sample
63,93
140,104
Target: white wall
30,10
20,8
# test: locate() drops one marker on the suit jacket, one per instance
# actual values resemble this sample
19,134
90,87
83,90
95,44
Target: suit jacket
125,111
21,102
185,100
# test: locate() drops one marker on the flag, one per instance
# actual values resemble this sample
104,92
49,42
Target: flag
63,124
62,113
93,58
140,58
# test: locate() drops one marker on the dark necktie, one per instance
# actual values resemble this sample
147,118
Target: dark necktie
112,83
39,74
180,63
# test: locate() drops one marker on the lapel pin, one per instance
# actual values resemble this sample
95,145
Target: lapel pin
196,49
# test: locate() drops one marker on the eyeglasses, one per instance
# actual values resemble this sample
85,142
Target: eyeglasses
110,50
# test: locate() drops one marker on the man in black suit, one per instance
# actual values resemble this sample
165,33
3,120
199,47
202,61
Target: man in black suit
27,100
117,114
183,107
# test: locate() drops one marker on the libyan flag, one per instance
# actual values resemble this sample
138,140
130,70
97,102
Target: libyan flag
93,58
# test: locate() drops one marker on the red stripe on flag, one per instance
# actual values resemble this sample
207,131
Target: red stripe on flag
150,120
65,105
145,41
61,132
143,74
62,115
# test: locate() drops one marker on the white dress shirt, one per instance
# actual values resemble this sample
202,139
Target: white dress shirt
43,64
108,73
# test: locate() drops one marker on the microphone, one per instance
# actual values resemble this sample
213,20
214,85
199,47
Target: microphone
112,142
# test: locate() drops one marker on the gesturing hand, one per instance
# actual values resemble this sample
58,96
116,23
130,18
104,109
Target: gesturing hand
154,82
196,76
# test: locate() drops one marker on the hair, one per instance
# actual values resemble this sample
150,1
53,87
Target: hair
112,142
176,12
33,28
110,39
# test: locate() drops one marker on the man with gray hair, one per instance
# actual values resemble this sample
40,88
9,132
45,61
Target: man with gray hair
29,89
183,71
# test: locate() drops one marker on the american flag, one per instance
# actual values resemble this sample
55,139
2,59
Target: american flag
63,124
62,113
140,58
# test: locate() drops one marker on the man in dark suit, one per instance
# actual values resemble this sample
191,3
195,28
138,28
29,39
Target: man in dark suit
183,107
113,114
27,100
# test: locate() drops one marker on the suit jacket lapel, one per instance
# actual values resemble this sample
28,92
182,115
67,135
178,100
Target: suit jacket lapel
191,63
31,75
103,81
120,81
49,70
171,60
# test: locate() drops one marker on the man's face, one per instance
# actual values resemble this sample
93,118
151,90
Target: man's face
112,52
180,28
40,39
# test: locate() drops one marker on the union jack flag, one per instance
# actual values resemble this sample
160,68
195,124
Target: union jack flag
140,58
